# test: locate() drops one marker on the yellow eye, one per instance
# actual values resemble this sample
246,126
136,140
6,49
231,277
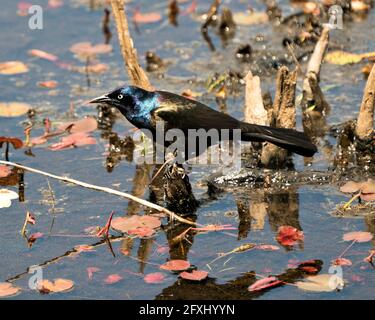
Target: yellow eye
120,96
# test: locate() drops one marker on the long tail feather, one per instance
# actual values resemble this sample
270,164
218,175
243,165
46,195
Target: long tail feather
288,139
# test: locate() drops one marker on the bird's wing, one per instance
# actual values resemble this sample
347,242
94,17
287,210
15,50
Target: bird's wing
183,113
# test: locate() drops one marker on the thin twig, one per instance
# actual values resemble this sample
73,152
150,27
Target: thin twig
103,189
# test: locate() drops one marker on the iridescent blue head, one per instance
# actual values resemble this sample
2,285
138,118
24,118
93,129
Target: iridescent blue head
134,103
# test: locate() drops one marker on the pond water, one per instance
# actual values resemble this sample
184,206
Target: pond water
306,207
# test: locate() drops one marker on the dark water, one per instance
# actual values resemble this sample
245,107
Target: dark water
192,63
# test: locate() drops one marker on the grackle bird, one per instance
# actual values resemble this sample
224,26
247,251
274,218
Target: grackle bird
144,108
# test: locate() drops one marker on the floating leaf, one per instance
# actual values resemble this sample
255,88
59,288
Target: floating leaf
351,187
48,84
267,247
35,236
76,139
195,275
246,19
175,265
156,277
288,235
15,142
7,289
13,67
112,278
342,57
87,125
13,109
43,55
150,17
6,197
23,8
125,224
5,171
91,271
359,236
265,283
86,49
58,285
55,3
342,262
321,283
143,232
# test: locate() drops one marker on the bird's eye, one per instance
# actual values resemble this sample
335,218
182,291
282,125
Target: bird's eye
120,96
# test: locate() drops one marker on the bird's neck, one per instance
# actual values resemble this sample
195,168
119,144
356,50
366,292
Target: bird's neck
140,116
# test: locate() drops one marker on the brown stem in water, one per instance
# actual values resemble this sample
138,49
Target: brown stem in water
365,122
146,203
129,53
284,115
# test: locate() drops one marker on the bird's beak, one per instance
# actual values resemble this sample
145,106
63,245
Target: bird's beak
102,99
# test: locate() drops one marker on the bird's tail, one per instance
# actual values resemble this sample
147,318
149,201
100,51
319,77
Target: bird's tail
288,139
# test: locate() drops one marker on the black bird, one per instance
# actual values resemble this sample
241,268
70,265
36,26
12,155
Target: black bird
144,108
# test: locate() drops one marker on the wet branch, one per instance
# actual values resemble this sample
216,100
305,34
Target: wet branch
146,203
129,53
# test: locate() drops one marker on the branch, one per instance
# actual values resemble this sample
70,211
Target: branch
129,53
146,203
316,59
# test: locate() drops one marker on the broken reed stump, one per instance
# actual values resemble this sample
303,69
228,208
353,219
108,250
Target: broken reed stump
254,108
136,74
178,191
314,105
283,116
365,122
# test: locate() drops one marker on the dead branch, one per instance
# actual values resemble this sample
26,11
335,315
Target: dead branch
365,123
313,68
146,203
129,53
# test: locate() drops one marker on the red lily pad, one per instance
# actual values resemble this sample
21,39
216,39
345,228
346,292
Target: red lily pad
195,275
150,17
5,171
85,125
87,49
342,262
175,265
125,224
156,277
58,285
47,84
265,283
91,271
112,278
43,55
7,289
288,235
359,236
143,232
15,142
76,139
351,187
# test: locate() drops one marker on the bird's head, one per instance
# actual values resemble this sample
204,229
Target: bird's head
131,101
